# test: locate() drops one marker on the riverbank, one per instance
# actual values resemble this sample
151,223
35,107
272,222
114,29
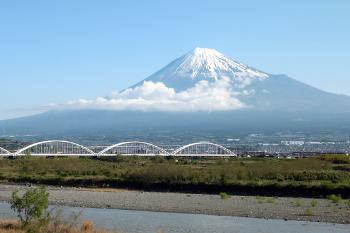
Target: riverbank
314,177
307,209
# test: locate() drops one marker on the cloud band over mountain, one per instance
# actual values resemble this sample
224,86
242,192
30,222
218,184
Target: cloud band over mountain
156,96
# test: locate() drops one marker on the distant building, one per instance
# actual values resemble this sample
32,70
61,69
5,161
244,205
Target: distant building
292,143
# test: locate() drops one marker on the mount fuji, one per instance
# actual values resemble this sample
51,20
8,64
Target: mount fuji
204,64
253,102
256,89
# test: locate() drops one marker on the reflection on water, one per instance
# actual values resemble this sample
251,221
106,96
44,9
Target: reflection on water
152,222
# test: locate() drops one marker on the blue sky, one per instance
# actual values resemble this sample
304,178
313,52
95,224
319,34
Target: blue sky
55,51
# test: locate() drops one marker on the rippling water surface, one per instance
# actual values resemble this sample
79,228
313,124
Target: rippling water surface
152,222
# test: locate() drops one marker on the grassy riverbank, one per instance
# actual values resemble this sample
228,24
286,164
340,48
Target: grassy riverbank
297,177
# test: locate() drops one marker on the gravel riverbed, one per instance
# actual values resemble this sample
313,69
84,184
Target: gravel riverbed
320,210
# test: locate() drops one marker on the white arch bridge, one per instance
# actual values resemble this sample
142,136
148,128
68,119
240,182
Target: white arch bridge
67,148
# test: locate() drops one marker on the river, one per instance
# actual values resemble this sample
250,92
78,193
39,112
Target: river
131,221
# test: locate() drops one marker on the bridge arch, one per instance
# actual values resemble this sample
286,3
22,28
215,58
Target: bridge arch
133,148
203,148
3,151
55,147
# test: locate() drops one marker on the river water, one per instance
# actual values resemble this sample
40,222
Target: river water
131,221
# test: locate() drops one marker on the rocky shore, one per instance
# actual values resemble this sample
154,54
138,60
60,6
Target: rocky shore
319,210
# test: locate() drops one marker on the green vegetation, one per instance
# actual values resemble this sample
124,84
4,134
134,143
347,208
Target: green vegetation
347,203
31,206
309,176
260,199
334,198
271,199
309,212
298,203
31,209
266,199
27,154
224,195
338,159
314,203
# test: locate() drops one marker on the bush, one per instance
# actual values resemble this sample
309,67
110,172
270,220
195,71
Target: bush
314,203
334,198
298,203
224,195
31,206
348,202
309,212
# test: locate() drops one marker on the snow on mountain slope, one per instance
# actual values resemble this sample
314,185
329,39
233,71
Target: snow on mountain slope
204,64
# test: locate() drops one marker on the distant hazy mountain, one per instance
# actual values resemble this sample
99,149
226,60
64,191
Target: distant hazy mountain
275,102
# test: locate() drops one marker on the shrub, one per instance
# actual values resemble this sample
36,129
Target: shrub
309,212
314,203
348,202
224,195
334,198
298,203
31,206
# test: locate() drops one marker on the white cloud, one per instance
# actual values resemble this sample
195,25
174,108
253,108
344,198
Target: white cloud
204,96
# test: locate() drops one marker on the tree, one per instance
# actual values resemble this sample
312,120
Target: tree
31,206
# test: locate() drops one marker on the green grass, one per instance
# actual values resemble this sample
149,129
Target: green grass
227,175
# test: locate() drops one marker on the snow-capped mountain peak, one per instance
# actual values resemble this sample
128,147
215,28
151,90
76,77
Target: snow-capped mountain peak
212,64
204,64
